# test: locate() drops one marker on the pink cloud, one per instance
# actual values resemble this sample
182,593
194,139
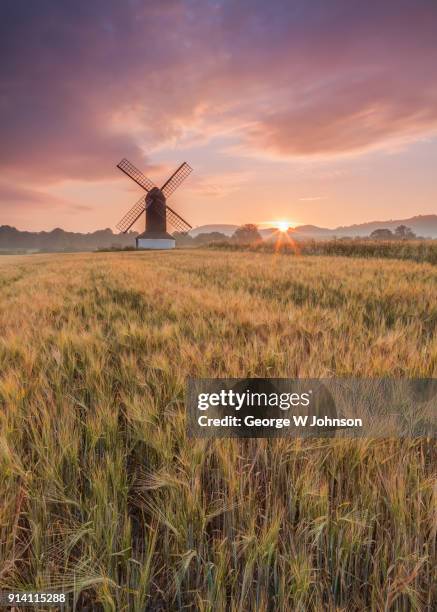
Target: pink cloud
348,119
14,197
83,88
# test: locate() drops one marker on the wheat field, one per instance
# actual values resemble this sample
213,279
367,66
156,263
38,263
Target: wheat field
421,251
104,497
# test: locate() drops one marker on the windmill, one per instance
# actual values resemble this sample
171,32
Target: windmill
154,204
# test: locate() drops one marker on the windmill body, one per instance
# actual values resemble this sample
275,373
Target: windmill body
154,205
155,235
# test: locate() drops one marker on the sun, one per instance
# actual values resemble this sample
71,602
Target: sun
282,226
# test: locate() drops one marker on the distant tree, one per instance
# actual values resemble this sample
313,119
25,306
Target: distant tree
402,232
382,234
183,239
209,237
186,240
246,234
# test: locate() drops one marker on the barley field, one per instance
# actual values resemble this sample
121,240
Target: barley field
422,251
103,495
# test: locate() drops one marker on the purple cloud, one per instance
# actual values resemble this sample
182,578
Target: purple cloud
83,84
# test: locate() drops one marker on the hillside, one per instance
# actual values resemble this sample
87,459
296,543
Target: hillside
422,225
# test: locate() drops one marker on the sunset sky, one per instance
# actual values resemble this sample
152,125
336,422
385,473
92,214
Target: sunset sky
314,111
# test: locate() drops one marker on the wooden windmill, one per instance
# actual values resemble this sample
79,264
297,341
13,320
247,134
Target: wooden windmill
154,205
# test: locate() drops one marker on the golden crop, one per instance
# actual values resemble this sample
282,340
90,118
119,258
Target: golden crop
102,494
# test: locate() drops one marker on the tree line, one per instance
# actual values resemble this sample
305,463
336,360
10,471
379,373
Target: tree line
249,234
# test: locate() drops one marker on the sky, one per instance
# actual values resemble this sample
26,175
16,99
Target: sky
308,111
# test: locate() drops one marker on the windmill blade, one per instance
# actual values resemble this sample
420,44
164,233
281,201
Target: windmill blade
176,179
137,176
132,215
176,220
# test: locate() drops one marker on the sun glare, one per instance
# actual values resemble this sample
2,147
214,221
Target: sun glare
282,226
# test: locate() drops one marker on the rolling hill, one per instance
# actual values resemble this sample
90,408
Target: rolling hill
422,225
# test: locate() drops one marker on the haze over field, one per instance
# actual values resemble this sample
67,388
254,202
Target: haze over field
12,239
318,113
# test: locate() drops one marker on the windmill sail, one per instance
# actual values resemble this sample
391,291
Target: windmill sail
132,215
176,179
158,214
129,169
176,220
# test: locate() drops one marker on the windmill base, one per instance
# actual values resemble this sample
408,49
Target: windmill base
156,243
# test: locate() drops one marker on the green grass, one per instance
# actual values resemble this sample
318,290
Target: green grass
104,496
